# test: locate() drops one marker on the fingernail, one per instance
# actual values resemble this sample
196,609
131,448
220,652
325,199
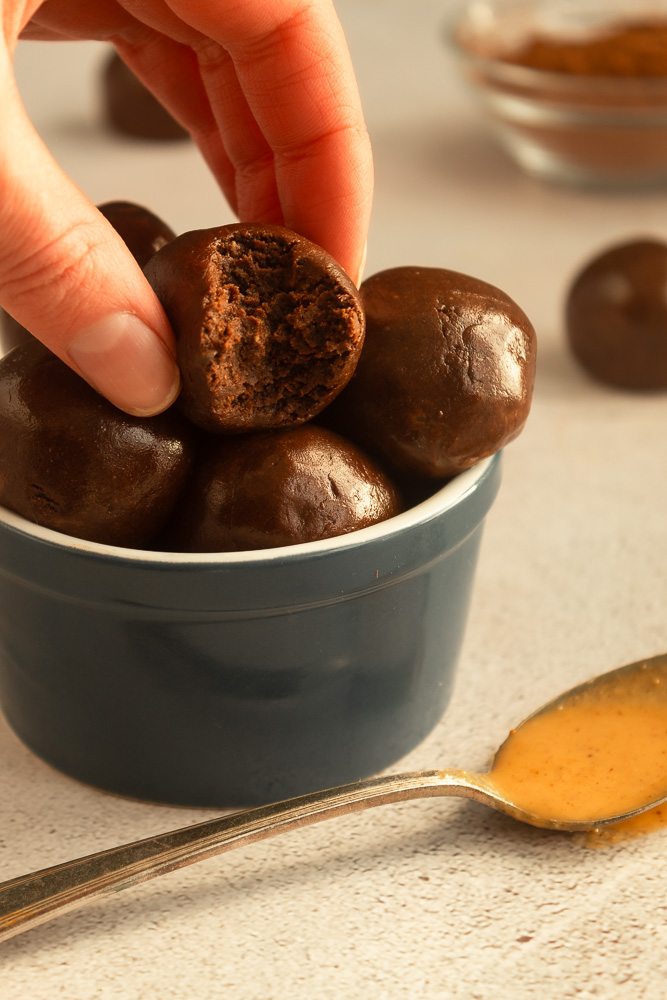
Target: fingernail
362,265
128,363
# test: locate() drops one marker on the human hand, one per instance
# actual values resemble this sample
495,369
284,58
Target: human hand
267,91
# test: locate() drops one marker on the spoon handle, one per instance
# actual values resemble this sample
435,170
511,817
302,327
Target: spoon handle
37,897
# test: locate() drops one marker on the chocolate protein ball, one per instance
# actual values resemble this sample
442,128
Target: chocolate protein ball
616,315
446,374
142,232
71,461
274,488
269,327
131,109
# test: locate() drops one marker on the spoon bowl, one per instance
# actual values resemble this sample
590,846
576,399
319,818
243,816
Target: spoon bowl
632,696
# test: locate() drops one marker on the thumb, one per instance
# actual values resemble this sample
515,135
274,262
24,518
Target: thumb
67,276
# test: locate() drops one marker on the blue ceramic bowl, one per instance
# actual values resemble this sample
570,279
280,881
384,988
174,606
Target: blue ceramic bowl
238,678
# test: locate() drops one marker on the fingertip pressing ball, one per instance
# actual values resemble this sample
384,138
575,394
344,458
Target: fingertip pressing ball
142,232
277,488
616,316
71,461
446,374
269,327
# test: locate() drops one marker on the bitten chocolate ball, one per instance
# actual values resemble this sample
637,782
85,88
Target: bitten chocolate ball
142,232
616,316
276,488
269,327
446,374
131,109
71,461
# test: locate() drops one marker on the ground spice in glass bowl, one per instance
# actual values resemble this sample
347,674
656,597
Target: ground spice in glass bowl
634,49
575,92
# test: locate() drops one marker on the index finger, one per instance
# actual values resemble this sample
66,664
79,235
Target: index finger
295,73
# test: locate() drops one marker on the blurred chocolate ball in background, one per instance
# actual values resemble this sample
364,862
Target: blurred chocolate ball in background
616,315
131,109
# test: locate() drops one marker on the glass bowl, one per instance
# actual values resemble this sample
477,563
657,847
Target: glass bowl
568,126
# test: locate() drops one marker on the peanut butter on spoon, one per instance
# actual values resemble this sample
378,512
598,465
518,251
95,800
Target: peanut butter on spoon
598,751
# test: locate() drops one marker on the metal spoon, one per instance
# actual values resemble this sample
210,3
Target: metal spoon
37,897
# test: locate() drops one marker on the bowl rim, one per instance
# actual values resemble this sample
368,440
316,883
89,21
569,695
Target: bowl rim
450,495
518,75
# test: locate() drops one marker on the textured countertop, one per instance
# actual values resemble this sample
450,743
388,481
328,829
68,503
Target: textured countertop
440,898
